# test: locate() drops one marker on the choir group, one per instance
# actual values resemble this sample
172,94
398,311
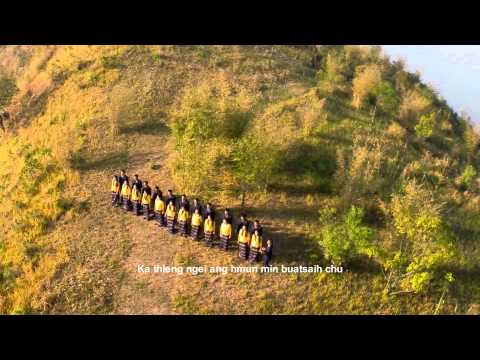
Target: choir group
180,217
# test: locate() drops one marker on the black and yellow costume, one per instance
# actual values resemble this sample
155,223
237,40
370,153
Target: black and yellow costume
170,213
122,179
126,193
146,202
183,217
196,225
136,199
243,243
115,188
209,231
225,235
160,211
255,246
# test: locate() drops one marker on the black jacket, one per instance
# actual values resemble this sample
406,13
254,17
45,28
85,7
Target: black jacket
260,230
241,223
154,195
229,218
198,206
138,183
122,179
147,189
211,212
185,203
171,198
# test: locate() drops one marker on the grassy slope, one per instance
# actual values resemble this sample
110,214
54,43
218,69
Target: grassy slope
104,245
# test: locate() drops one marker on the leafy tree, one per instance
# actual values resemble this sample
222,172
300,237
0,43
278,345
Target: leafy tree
253,164
425,242
342,240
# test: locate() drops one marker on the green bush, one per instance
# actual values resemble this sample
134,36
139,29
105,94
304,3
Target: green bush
425,242
253,164
466,179
426,126
343,240
387,98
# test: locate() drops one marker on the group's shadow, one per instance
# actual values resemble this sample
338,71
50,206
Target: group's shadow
290,247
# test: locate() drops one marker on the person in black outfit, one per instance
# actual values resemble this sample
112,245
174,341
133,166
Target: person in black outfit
209,211
243,221
171,198
257,226
267,252
156,191
196,205
146,188
137,182
185,203
121,179
146,206
228,216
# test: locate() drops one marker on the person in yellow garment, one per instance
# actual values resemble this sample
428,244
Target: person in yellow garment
136,198
183,217
225,234
243,242
209,230
126,193
196,224
171,213
160,209
146,200
115,188
255,246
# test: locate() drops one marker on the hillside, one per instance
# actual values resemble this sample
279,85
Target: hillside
343,155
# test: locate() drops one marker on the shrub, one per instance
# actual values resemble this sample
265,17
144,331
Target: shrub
343,240
332,77
426,125
367,79
413,105
466,179
253,164
213,108
387,98
425,242
371,169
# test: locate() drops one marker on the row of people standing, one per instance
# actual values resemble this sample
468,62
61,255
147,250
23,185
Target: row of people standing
191,219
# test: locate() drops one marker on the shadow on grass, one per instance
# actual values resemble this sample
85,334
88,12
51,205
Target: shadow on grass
289,247
147,127
109,161
335,138
301,188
